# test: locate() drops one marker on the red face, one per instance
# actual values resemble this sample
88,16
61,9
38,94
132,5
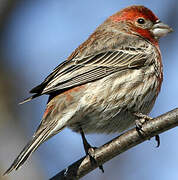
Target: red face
140,21
133,13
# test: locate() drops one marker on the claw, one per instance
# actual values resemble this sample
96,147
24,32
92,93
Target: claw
157,138
142,118
89,150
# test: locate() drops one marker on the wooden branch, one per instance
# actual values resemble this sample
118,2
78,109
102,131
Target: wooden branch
119,145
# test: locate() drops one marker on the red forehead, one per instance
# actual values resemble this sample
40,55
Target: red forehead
133,12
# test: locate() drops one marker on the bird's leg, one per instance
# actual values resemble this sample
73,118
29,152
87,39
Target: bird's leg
142,118
89,150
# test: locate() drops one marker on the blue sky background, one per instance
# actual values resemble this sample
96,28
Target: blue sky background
41,34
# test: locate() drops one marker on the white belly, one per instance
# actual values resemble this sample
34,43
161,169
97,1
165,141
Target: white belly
107,105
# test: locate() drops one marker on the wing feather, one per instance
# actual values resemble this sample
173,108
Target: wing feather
82,70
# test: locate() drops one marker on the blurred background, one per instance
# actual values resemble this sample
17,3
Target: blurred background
37,35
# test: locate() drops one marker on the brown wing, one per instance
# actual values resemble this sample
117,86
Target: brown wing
81,71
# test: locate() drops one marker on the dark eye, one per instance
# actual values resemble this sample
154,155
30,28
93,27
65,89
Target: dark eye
141,21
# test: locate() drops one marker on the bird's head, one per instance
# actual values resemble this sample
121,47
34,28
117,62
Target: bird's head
141,21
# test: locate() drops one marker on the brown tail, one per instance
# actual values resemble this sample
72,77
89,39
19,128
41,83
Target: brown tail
29,98
28,150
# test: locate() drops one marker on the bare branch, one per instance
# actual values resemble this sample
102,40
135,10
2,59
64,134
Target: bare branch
119,145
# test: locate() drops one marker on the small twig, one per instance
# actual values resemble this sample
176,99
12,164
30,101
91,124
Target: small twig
119,145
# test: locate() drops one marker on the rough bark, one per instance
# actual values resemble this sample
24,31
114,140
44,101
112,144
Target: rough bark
119,145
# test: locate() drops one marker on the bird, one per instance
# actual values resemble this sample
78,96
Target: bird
108,82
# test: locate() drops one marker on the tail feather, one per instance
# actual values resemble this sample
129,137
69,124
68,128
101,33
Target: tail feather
28,150
30,98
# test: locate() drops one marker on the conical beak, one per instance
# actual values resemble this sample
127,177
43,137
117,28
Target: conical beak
160,29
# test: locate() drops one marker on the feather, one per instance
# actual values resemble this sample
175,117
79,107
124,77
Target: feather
77,71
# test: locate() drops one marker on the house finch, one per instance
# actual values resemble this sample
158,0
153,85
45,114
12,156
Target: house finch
114,75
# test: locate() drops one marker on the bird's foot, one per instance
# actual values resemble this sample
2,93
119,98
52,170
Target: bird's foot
142,118
90,151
